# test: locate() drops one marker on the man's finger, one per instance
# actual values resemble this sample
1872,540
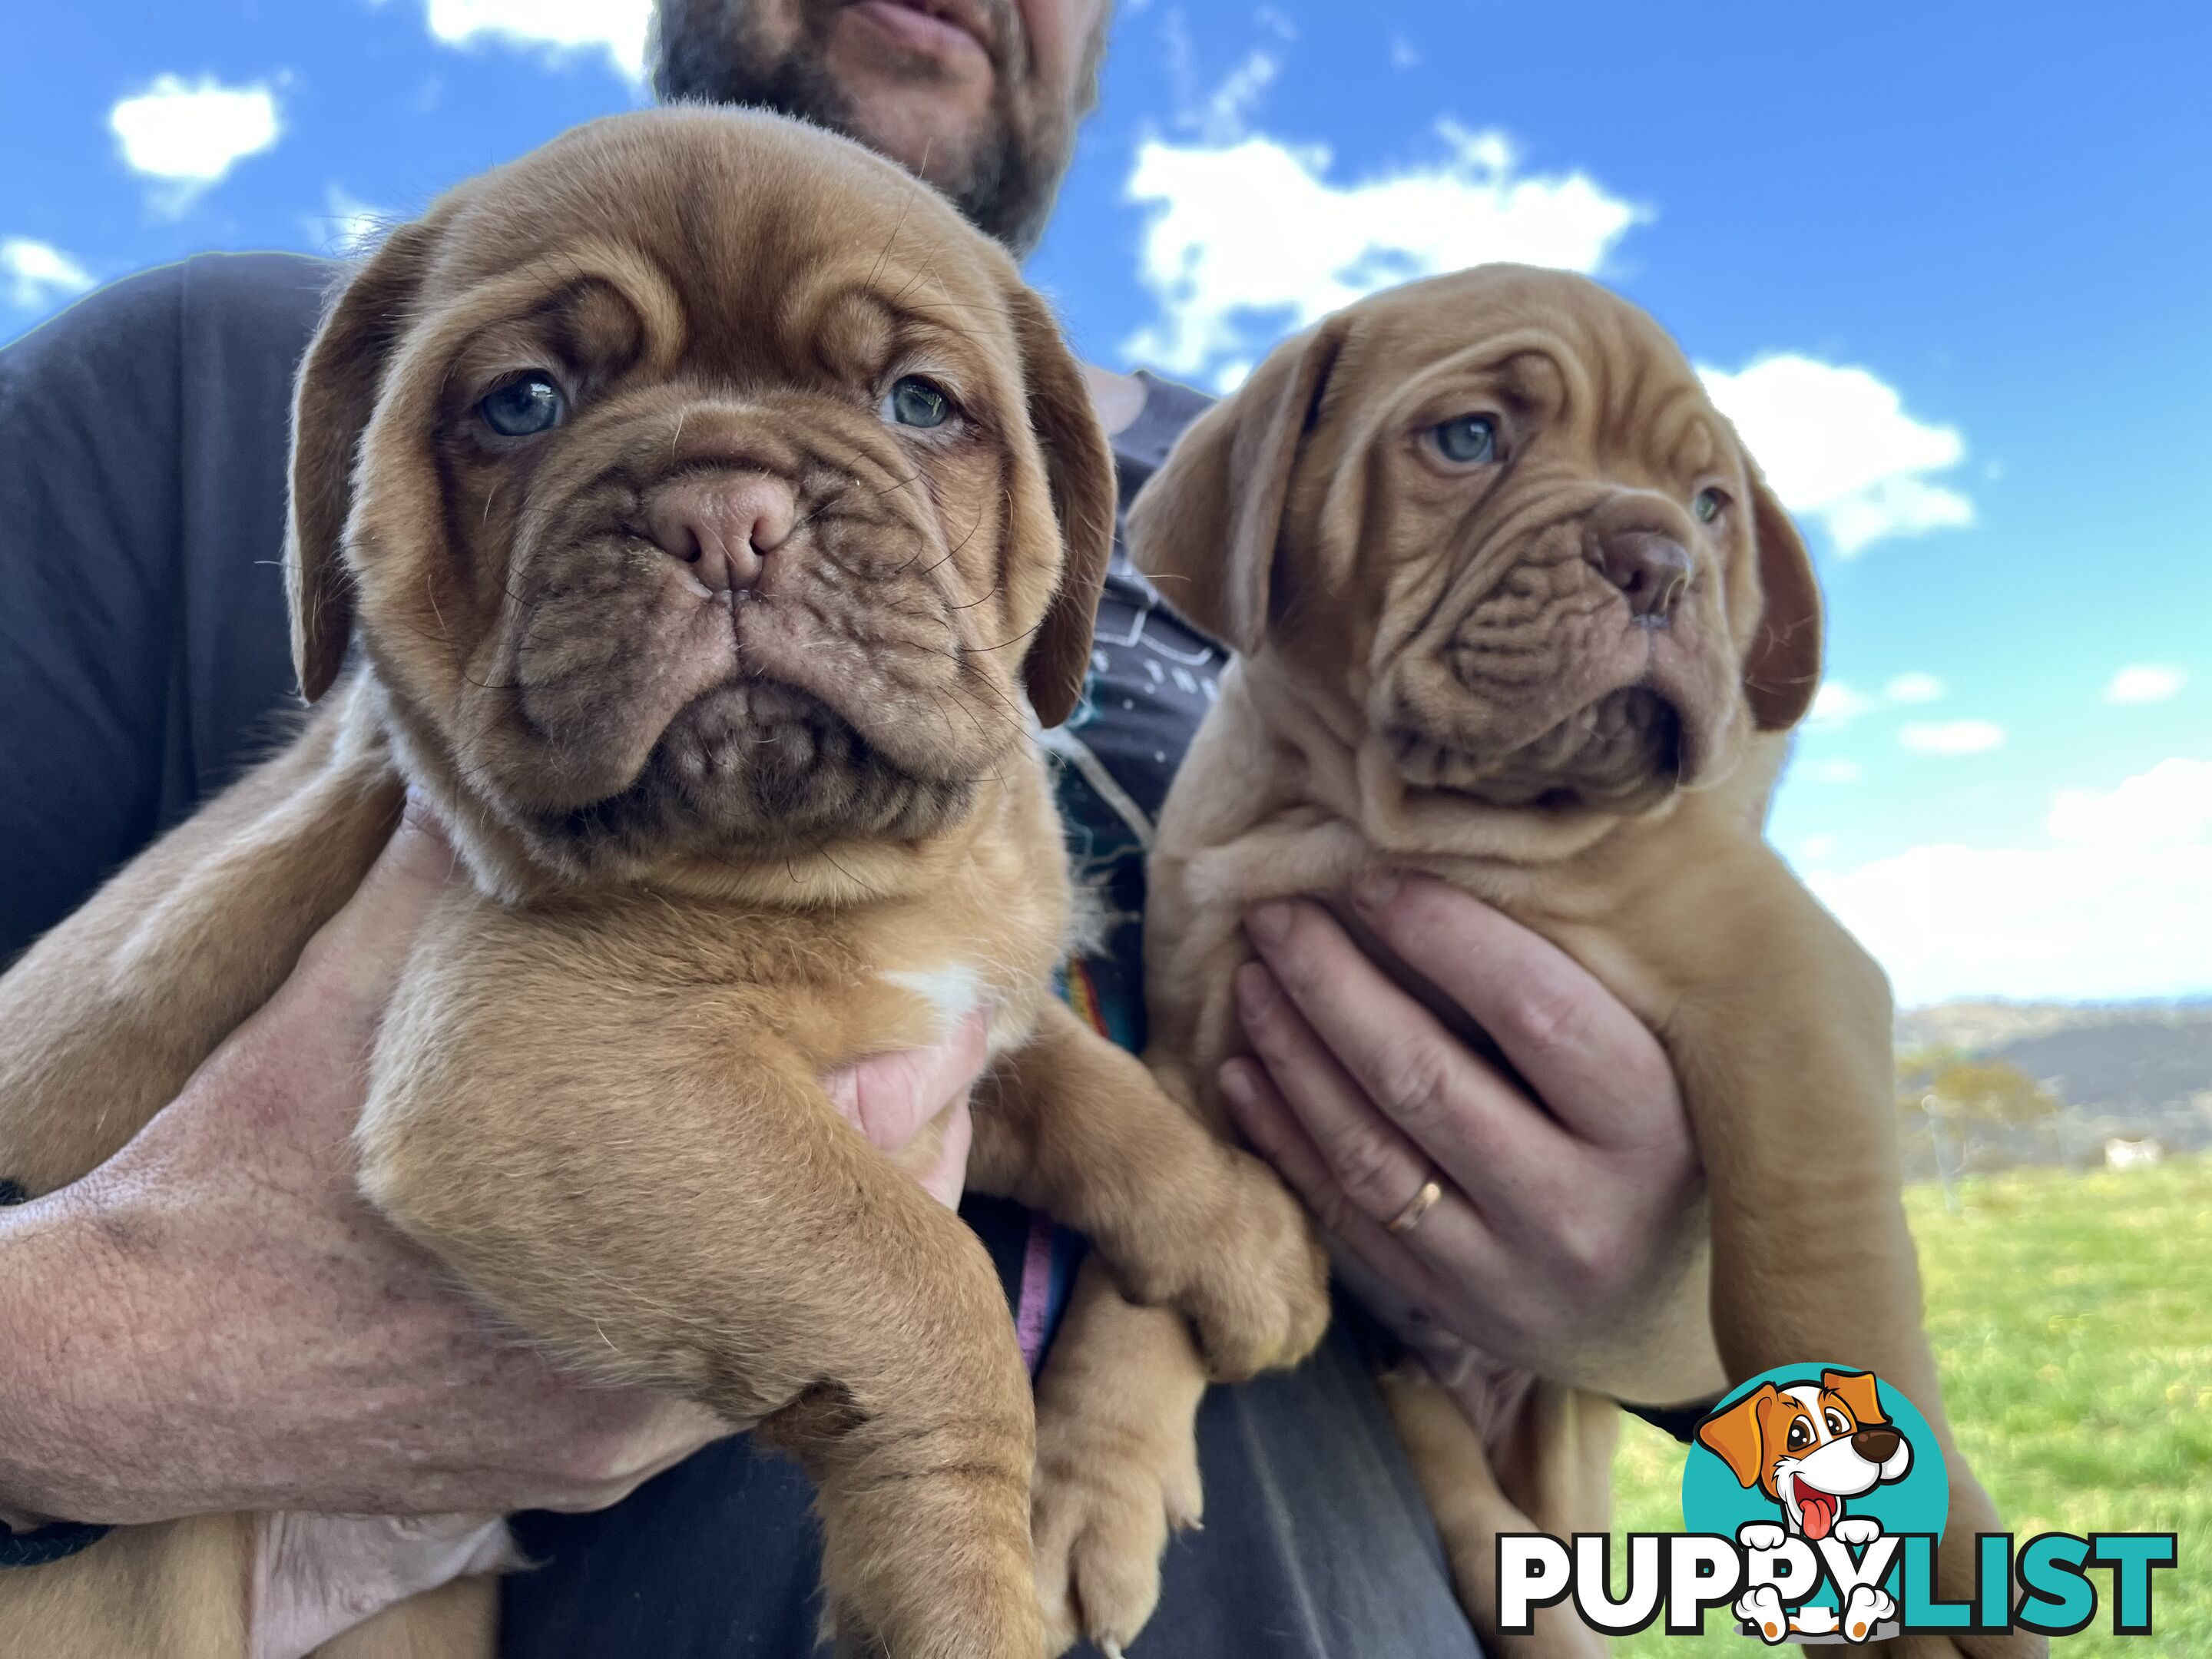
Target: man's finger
1487,1136
1274,1129
1367,1155
888,1096
947,1174
366,944
1592,1062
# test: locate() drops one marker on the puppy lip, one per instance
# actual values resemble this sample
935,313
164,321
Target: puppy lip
578,821
1541,788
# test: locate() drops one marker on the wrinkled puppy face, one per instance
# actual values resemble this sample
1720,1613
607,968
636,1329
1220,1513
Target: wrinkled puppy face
1512,525
709,501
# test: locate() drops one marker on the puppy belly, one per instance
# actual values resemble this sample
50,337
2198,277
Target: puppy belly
317,1575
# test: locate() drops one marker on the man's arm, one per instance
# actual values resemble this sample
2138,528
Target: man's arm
214,1319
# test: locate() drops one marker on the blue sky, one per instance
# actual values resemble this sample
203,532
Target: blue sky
1950,267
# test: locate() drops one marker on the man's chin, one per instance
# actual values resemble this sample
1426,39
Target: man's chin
930,127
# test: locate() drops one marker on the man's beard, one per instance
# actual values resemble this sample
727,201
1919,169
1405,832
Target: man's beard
708,50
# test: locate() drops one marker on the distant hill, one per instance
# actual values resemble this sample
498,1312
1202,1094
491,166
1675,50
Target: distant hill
2130,1071
1979,1026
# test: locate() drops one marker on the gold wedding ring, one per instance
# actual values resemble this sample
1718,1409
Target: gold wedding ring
1418,1205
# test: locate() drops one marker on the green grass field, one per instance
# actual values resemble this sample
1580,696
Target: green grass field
2072,1315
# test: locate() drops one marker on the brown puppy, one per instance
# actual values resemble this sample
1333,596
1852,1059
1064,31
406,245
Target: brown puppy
710,506
1514,608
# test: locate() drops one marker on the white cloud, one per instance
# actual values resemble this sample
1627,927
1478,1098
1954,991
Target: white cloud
1952,737
1815,850
33,274
616,27
1830,771
347,225
1838,446
1251,237
2144,682
1221,117
1838,704
2120,907
187,136
2170,804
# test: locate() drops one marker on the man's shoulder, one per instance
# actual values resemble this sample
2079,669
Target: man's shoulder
216,289
249,309
1169,408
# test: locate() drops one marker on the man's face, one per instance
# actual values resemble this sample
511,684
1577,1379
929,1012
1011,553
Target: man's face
980,97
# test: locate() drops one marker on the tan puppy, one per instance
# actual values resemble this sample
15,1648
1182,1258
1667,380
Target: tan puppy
710,506
1513,608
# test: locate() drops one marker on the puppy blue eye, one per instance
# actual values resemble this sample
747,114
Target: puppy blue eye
1708,505
1467,438
916,401
525,407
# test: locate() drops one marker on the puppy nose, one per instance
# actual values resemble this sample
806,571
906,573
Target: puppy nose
1876,1445
1652,571
723,525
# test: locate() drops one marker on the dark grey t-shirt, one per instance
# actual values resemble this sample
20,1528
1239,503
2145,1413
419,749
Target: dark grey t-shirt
144,661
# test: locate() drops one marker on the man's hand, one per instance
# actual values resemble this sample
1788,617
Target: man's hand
1566,1240
215,1320
895,1097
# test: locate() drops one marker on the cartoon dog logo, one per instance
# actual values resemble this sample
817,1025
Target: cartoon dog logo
1810,1449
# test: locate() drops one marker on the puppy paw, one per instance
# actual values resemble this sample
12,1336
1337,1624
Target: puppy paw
1857,1529
1761,1608
1253,1283
1103,1503
1760,1536
1868,1607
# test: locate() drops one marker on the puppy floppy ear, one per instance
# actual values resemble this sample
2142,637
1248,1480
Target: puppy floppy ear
1079,465
1738,1435
1205,528
1782,670
337,387
1858,1390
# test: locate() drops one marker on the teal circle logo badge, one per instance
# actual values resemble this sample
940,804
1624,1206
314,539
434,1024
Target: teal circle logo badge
1809,1457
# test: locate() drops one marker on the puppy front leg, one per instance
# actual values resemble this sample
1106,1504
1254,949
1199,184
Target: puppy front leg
1117,1461
1561,1442
1075,1126
676,1203
1789,1085
110,1014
